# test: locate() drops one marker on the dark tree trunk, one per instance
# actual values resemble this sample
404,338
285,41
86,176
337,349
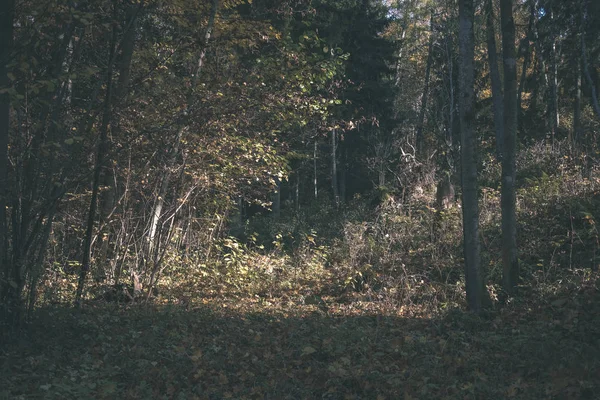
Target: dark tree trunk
586,71
315,178
576,132
542,83
334,177
526,60
343,176
127,47
474,279
508,198
276,198
425,98
553,105
495,79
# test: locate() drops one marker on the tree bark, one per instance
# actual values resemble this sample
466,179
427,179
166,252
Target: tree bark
526,60
576,132
334,178
473,276
276,198
586,71
425,97
127,47
343,176
508,198
496,81
554,114
452,120
541,64
315,178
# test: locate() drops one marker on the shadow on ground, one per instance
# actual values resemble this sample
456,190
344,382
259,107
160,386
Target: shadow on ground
217,352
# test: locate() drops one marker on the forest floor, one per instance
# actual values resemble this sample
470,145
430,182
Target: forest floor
282,348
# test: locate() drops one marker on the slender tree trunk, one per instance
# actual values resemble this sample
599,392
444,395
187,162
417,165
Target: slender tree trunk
404,25
277,200
100,156
554,115
576,132
297,191
586,71
508,197
425,97
541,63
315,169
532,110
334,178
526,60
7,295
474,279
343,176
452,128
495,79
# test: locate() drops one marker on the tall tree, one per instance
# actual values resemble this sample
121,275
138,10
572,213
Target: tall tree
553,113
425,97
508,198
525,48
495,78
473,275
584,57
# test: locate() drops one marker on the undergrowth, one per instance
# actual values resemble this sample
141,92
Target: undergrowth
349,303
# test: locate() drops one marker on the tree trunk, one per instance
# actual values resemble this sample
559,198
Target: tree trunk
127,47
343,176
586,71
297,191
576,132
424,99
541,63
526,60
452,128
100,155
315,180
334,179
495,79
473,276
508,198
8,297
553,111
276,198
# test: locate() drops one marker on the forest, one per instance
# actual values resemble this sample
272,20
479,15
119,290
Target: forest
299,199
